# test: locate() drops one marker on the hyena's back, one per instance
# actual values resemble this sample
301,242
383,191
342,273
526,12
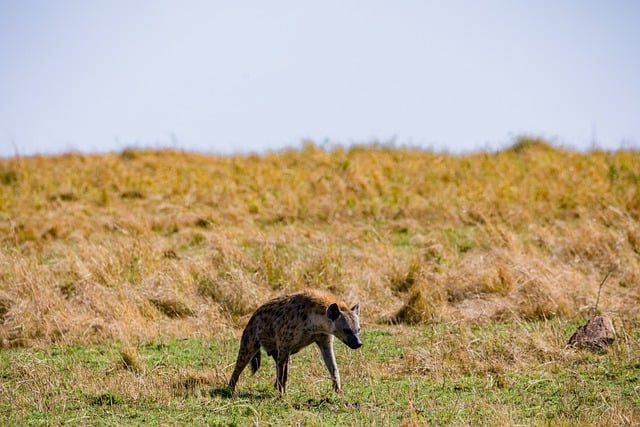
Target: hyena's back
293,320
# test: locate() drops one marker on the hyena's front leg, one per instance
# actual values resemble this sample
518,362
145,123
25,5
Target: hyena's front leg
282,370
326,348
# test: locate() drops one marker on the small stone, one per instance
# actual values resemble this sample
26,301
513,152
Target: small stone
596,334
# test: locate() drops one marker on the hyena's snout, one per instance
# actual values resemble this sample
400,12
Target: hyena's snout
353,341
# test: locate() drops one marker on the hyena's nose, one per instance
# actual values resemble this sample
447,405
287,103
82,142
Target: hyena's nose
354,343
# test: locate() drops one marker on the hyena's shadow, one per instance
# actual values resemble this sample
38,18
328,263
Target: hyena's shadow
225,392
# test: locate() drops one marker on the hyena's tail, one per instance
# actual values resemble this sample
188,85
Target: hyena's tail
255,362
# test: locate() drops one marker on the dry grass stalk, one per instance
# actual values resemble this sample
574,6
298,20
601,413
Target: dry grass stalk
130,359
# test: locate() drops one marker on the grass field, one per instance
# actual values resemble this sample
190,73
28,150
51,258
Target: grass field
126,280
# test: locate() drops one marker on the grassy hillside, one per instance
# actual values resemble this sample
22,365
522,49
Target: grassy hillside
148,246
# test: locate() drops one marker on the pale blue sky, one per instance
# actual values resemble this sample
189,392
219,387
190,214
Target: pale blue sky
249,76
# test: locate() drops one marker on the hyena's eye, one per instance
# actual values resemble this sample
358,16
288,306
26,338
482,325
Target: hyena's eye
347,331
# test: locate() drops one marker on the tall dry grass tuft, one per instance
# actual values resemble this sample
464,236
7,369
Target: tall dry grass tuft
130,359
426,301
479,276
537,300
227,292
171,307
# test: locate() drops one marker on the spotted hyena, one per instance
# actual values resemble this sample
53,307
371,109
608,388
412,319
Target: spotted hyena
286,325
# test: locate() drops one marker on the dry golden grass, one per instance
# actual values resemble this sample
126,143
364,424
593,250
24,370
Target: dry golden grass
142,244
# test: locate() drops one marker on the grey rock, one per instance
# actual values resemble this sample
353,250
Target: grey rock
596,334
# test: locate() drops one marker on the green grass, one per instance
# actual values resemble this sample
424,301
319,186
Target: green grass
391,381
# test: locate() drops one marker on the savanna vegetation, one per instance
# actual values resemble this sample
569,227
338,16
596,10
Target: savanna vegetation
126,280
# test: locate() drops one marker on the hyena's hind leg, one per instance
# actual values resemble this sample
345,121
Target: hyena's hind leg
249,352
255,362
274,355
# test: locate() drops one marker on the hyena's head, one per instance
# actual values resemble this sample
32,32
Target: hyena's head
346,324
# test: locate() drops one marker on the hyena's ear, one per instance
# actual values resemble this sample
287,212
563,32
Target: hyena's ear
333,312
356,309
